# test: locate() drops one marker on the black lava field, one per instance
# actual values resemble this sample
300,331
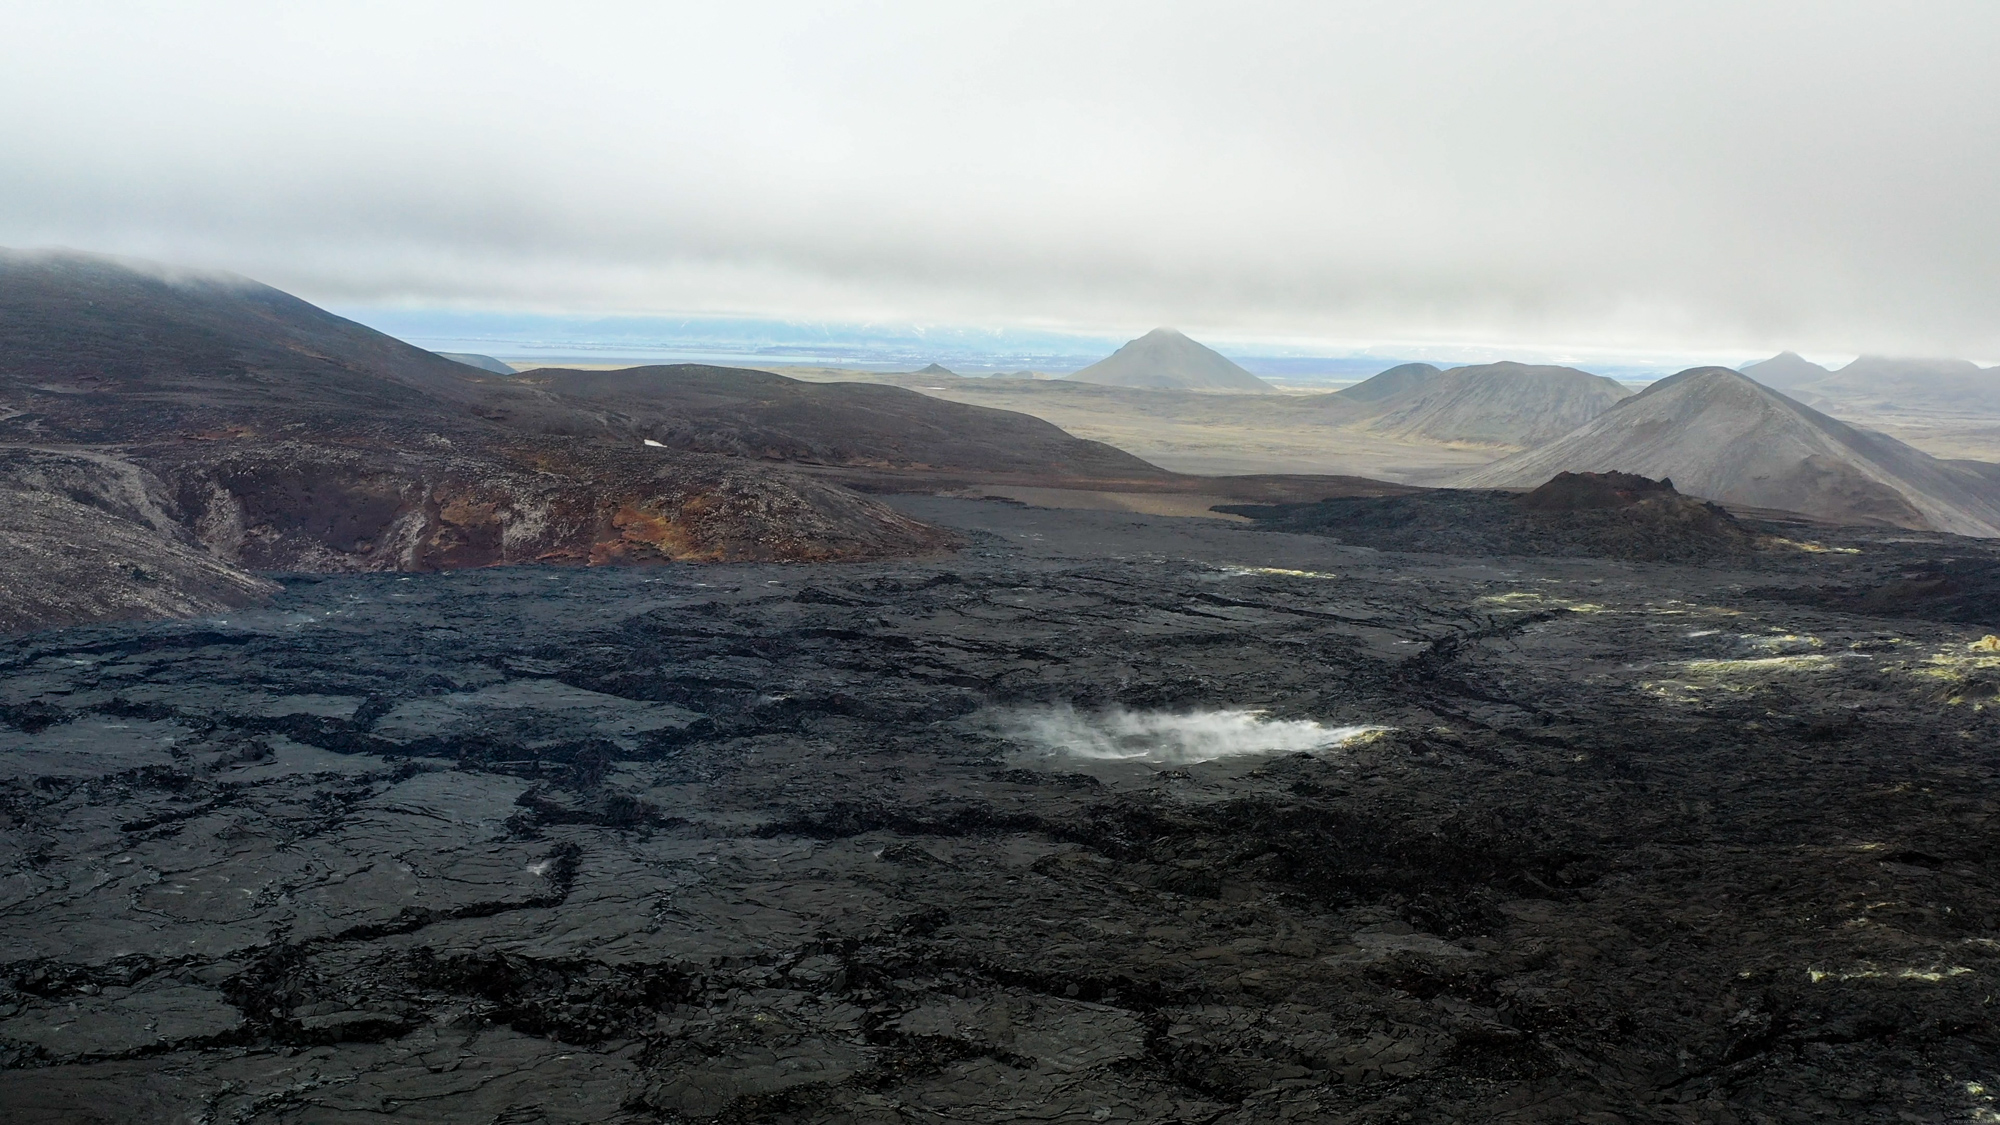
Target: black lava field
1100,818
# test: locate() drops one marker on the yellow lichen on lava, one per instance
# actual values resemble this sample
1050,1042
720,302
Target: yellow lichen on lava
1523,599
1786,643
465,511
644,534
1969,675
1235,571
1795,662
1746,674
1780,543
1867,971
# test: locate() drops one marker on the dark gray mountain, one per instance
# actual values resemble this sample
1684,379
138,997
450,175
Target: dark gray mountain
1886,384
1165,360
1723,437
1509,404
482,362
1397,382
1786,371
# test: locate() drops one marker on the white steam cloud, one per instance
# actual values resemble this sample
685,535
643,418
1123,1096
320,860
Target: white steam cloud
1169,738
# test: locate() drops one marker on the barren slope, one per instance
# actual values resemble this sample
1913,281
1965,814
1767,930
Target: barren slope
1398,383
1509,404
96,348
758,414
208,413
85,539
1723,437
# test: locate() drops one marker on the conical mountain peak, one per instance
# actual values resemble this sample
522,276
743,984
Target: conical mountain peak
1787,371
1167,360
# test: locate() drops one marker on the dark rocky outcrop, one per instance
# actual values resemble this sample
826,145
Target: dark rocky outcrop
1573,492
80,543
1608,515
281,505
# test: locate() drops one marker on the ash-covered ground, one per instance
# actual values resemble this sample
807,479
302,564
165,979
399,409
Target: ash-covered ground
978,839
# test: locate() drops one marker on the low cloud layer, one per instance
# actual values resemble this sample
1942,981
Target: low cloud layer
1694,175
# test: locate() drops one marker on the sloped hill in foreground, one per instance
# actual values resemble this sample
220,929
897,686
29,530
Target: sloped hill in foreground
162,432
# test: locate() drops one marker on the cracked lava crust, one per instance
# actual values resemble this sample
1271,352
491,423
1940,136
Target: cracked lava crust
749,843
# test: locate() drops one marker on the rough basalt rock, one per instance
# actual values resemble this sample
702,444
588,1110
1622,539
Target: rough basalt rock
1605,515
66,563
1571,492
176,529
301,506
752,842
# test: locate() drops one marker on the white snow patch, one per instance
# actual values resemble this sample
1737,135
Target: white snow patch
1169,738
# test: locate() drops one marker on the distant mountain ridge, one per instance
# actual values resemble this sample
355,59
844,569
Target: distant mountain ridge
1885,384
1722,436
1505,403
1786,371
1166,360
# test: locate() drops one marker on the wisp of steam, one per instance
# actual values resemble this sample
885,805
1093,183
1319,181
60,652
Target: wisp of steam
1168,738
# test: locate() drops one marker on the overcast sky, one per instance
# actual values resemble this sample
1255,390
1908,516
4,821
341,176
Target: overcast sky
1823,176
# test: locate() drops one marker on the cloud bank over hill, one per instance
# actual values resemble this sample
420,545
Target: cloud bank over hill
1742,175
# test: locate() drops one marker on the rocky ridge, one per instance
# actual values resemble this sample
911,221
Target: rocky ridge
1603,515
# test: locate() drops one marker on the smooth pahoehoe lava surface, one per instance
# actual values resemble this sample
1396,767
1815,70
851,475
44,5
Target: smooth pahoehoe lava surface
1584,840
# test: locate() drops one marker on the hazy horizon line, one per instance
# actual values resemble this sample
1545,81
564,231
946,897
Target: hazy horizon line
780,341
